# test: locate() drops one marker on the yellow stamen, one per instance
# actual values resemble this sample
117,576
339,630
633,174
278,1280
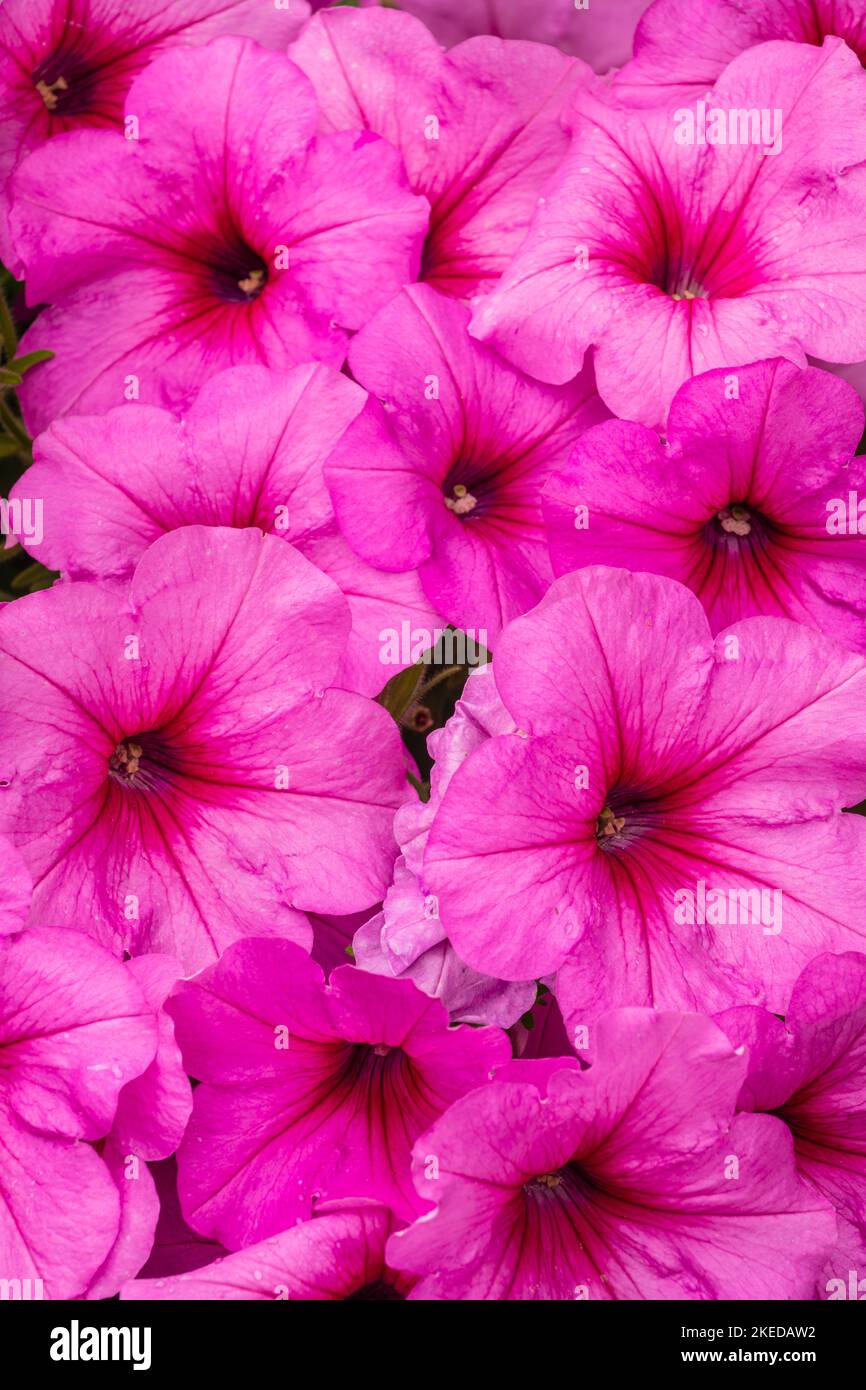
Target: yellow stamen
609,824
462,503
736,521
49,91
125,761
252,283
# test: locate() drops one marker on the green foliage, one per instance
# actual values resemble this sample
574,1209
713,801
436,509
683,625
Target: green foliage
19,574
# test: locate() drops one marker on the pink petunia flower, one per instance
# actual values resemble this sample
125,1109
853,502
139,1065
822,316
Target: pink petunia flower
340,1256
666,827
811,1072
681,48
600,31
152,1114
747,499
674,255
443,468
249,452
479,128
310,1092
407,938
222,231
66,64
633,1180
177,772
75,1030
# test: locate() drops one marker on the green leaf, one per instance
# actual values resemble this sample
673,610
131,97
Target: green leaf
30,359
32,579
401,691
422,788
10,378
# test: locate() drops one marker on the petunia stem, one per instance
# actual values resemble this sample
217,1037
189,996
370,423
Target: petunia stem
7,330
437,680
13,427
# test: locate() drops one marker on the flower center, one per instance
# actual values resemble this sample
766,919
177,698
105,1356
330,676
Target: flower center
141,762
125,762
69,80
236,273
51,92
691,290
545,1180
252,284
608,825
461,503
735,520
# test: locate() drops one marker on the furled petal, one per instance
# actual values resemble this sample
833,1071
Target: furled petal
340,1255
139,1210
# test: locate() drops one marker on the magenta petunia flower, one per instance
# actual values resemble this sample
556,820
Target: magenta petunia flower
674,254
681,48
249,452
65,64
224,231
177,771
407,938
310,1092
747,499
479,128
600,32
811,1072
442,470
338,1256
75,1030
666,827
633,1180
